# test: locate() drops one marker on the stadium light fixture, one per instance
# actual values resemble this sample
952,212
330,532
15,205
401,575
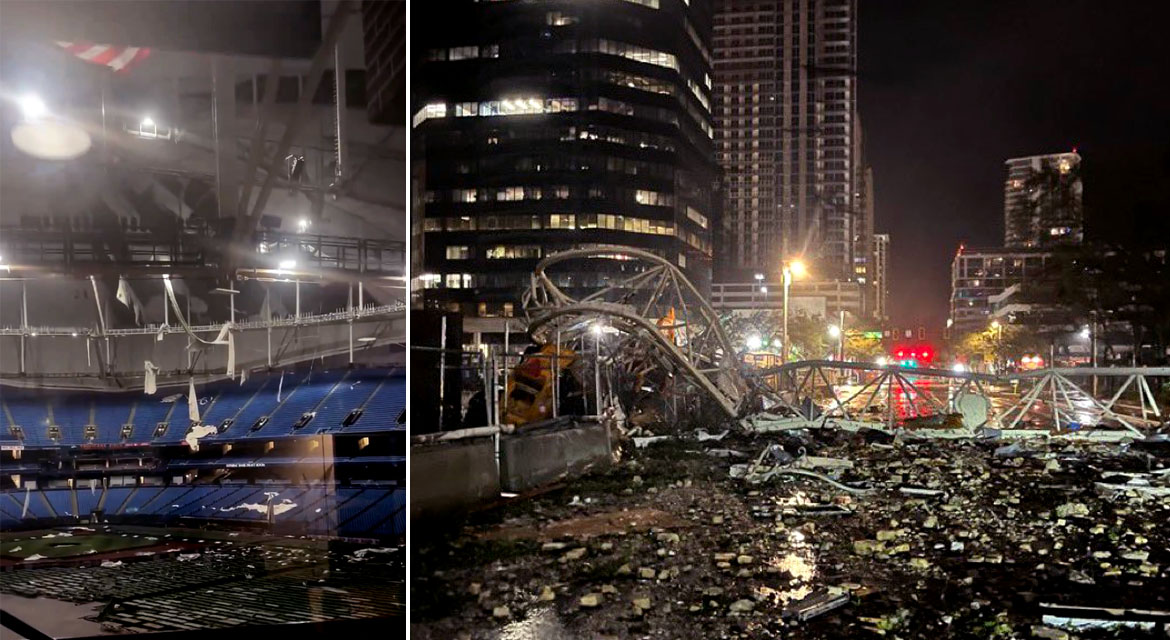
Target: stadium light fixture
32,106
286,265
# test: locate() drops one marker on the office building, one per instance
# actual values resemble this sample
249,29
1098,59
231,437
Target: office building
978,275
881,281
788,137
556,125
1042,201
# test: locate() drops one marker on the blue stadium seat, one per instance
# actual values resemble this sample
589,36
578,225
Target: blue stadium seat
87,499
350,394
61,500
109,414
145,499
383,408
115,496
31,413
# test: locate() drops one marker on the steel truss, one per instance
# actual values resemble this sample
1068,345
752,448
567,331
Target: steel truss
637,308
1047,398
665,330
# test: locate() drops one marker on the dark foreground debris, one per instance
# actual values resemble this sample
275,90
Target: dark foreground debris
947,540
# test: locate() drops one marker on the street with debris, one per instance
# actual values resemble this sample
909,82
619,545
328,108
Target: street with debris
820,533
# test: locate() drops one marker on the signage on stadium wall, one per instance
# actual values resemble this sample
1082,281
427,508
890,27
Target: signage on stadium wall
11,447
240,465
102,447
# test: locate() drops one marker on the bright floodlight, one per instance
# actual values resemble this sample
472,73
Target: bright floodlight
763,289
32,107
288,264
147,122
1086,333
797,268
302,224
959,367
834,331
759,276
882,361
754,342
597,329
995,324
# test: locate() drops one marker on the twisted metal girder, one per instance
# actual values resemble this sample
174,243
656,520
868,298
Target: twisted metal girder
694,346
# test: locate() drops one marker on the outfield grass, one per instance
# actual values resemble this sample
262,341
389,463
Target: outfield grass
70,546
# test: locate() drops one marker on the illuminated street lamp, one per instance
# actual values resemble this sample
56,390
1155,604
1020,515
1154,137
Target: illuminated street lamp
792,269
754,342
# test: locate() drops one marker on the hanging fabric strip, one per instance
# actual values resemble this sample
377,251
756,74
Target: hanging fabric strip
150,385
231,356
219,339
192,403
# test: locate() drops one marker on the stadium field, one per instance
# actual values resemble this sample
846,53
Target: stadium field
69,543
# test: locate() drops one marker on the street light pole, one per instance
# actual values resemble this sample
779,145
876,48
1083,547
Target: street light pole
784,334
841,340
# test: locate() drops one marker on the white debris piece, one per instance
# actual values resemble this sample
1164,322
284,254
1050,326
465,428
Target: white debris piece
110,565
360,554
197,432
277,509
15,549
59,534
703,436
183,557
35,556
642,442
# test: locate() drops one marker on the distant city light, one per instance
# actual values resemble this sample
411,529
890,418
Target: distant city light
835,331
147,122
754,342
303,224
763,289
959,367
882,361
32,107
1086,333
797,268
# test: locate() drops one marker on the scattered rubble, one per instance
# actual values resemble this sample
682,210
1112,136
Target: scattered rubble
927,538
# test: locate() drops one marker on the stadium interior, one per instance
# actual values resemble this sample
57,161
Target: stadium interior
202,318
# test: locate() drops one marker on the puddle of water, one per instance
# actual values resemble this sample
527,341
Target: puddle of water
799,563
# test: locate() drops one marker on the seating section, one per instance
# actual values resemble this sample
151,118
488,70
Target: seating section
382,410
373,511
56,419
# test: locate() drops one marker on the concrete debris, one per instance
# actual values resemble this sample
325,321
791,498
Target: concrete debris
827,533
815,605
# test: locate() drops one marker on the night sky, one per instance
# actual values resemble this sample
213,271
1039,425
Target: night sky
949,90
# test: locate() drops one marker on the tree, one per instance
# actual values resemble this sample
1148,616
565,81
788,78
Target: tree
1114,287
809,335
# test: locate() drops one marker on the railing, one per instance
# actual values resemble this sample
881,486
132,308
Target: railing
344,315
65,249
